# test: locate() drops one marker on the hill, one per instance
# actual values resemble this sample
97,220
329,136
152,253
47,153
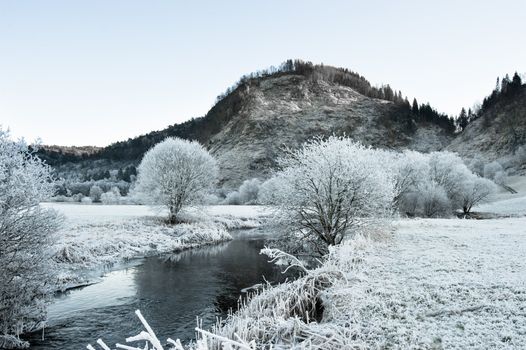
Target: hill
282,107
499,128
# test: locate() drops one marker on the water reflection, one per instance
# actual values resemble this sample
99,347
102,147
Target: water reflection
170,291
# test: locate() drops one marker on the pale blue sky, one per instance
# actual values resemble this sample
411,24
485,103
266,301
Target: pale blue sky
95,72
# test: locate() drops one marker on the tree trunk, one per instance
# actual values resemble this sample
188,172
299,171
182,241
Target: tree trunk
172,218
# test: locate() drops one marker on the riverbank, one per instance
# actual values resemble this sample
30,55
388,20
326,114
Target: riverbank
95,236
432,284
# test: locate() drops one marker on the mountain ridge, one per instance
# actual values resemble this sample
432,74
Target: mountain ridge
286,105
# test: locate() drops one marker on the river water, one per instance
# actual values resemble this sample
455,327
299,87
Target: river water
170,291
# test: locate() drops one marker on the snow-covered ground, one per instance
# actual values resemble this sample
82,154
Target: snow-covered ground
506,207
97,235
505,203
439,283
429,284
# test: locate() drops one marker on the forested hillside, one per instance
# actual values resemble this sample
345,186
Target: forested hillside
497,129
275,108
280,107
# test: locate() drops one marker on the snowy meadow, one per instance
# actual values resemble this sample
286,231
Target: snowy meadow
94,236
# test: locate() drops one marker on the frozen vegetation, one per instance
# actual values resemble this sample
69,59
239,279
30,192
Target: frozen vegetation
98,235
26,231
176,173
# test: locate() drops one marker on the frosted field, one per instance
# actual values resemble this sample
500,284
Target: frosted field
439,283
505,207
430,284
96,235
93,212
505,203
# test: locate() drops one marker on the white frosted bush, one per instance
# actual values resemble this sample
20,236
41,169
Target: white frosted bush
435,184
491,169
246,194
86,200
268,192
448,171
331,186
26,231
113,196
95,193
476,165
475,190
77,197
409,169
433,201
176,173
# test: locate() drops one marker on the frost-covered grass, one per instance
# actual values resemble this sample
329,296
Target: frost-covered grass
452,284
505,203
506,207
97,235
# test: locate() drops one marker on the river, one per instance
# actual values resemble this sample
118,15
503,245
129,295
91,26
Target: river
170,291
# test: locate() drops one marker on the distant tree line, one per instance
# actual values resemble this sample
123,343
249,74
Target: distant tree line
229,103
505,89
340,76
346,77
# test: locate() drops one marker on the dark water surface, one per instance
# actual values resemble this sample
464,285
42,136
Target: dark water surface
170,292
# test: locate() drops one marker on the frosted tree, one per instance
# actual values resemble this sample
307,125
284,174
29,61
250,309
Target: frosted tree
113,196
476,165
435,184
474,191
492,169
26,230
330,186
95,192
246,194
433,200
270,189
447,170
410,168
176,173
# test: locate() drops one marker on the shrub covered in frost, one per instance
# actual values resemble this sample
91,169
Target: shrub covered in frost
176,173
330,187
409,169
476,165
270,189
433,200
246,194
475,190
25,237
491,170
448,171
113,196
86,200
95,193
435,184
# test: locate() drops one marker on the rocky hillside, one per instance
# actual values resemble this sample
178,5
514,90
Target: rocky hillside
251,124
287,110
498,131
